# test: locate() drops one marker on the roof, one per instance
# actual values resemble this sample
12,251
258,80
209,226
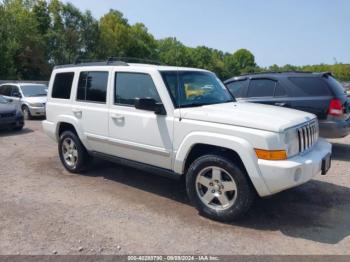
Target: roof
278,74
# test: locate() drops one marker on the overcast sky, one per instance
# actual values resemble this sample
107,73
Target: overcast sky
279,32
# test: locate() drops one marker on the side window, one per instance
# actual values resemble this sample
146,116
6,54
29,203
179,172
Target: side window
15,91
129,86
93,87
280,90
5,90
62,85
310,86
237,88
261,88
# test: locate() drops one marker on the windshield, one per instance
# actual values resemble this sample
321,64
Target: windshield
195,88
34,90
3,100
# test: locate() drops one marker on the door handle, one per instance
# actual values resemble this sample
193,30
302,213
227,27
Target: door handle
280,104
117,117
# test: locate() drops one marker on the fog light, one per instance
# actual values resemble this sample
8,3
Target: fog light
297,175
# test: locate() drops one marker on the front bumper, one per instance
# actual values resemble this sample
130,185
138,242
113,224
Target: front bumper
9,123
37,111
281,175
334,128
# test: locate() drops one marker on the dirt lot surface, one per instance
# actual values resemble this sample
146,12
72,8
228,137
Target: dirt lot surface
119,210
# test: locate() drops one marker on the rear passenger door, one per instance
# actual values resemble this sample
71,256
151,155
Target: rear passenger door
91,107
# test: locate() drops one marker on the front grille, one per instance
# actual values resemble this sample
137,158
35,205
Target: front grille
307,135
6,115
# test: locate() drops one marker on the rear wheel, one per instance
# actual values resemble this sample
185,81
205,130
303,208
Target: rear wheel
218,188
72,152
18,128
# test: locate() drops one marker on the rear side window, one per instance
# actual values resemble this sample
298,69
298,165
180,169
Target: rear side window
261,88
93,87
5,90
237,88
129,86
62,85
310,86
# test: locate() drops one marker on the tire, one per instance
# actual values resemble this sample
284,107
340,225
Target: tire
26,113
18,128
218,188
72,152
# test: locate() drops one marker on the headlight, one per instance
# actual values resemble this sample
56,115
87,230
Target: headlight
292,142
36,104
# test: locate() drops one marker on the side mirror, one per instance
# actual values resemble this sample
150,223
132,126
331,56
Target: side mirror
16,94
150,104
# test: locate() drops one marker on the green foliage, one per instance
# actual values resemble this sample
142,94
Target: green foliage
35,35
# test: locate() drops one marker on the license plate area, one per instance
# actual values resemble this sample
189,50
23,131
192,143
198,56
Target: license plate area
326,164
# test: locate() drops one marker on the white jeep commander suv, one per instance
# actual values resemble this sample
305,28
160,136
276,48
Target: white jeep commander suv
182,122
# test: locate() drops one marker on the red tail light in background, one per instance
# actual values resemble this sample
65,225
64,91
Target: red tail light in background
336,108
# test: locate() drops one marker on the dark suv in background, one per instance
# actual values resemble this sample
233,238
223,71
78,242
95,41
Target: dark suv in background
317,93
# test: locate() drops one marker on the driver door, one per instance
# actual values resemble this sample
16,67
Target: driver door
136,134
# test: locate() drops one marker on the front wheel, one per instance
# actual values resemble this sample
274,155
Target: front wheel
218,188
26,113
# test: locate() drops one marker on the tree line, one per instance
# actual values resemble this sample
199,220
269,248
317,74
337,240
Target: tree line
36,35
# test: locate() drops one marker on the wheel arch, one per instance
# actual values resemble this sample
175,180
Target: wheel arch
240,150
68,123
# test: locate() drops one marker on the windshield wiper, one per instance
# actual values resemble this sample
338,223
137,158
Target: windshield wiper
205,104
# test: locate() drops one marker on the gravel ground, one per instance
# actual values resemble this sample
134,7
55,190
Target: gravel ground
119,210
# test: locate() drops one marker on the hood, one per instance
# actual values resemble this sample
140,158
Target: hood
7,108
36,99
258,116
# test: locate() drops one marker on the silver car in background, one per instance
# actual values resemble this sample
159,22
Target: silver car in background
31,96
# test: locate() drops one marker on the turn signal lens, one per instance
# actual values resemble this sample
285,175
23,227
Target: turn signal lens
271,154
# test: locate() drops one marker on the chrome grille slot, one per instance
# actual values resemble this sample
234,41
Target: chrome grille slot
307,135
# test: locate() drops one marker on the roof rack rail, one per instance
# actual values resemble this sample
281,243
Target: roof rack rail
277,72
113,61
134,60
78,60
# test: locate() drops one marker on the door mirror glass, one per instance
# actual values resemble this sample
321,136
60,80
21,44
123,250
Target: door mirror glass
150,104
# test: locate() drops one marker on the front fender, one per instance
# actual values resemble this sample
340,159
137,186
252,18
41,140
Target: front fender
242,147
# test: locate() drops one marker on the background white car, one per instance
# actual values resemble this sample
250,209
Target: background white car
31,96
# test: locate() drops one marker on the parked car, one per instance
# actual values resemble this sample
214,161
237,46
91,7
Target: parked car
182,122
317,93
11,116
33,97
